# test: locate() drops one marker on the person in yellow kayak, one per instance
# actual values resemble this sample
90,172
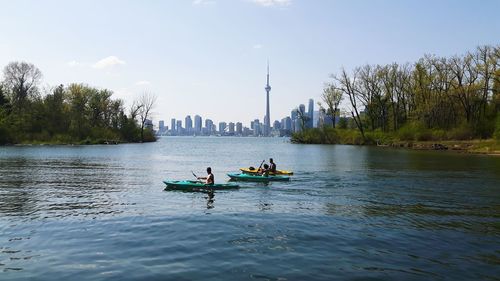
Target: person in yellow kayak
272,166
265,171
209,179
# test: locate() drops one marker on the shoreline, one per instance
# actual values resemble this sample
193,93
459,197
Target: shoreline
484,147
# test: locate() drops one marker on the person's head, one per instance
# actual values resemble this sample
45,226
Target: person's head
270,160
209,170
266,166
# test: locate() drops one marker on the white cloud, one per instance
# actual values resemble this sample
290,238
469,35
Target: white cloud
203,2
74,63
257,46
108,62
270,3
142,83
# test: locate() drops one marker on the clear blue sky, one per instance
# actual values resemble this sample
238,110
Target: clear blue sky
208,57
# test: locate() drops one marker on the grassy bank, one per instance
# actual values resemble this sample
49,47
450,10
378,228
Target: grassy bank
459,140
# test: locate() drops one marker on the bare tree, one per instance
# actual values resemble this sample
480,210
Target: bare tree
22,80
144,106
348,86
332,98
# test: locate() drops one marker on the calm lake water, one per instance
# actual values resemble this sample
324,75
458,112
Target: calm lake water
349,213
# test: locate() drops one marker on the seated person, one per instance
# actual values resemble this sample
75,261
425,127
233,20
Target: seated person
265,171
209,179
272,165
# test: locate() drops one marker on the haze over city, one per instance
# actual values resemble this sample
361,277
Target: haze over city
209,57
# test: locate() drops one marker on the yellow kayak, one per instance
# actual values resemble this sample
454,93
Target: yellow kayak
255,171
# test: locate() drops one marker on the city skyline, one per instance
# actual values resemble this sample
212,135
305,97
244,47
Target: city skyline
280,127
195,66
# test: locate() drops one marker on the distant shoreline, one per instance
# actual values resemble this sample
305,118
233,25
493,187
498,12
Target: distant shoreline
484,147
489,146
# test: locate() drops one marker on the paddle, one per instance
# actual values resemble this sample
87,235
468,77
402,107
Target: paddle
260,165
197,179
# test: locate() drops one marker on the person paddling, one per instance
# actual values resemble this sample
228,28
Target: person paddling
272,166
265,171
209,179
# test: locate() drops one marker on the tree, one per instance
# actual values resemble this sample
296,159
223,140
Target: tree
144,106
332,98
349,87
303,118
22,80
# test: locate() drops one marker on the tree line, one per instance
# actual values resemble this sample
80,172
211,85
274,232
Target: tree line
430,97
75,113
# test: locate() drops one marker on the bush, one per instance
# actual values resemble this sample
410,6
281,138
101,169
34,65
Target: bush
496,134
378,137
463,132
5,136
407,132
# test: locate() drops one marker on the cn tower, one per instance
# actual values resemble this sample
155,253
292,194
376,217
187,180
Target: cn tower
267,119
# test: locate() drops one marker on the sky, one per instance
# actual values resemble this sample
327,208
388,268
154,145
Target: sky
209,57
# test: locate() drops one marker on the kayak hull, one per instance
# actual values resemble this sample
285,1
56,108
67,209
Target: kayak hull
196,185
255,171
257,178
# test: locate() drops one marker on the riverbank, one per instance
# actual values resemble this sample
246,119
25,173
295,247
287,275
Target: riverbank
79,142
489,146
390,140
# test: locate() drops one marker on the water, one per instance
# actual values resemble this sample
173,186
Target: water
349,213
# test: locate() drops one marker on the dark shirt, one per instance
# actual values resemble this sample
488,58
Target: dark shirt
272,168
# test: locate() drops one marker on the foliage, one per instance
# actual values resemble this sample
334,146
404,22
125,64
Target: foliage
76,113
497,128
435,98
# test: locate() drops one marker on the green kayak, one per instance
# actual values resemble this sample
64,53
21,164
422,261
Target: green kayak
196,185
257,178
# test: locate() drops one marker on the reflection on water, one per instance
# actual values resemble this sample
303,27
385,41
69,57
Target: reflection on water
349,213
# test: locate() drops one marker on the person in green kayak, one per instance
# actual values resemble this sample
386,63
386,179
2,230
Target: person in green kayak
272,166
209,179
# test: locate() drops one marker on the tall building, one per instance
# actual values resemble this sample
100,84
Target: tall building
267,122
172,126
197,124
294,115
256,127
287,124
277,125
239,128
310,114
209,125
188,124
178,127
222,127
161,126
302,109
230,128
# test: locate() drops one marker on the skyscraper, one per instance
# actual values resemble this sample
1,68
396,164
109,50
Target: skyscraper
209,124
197,124
230,128
161,126
178,127
267,122
222,128
188,124
310,114
239,128
256,127
172,126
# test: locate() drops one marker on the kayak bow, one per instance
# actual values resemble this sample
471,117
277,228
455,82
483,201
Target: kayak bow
257,177
196,185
